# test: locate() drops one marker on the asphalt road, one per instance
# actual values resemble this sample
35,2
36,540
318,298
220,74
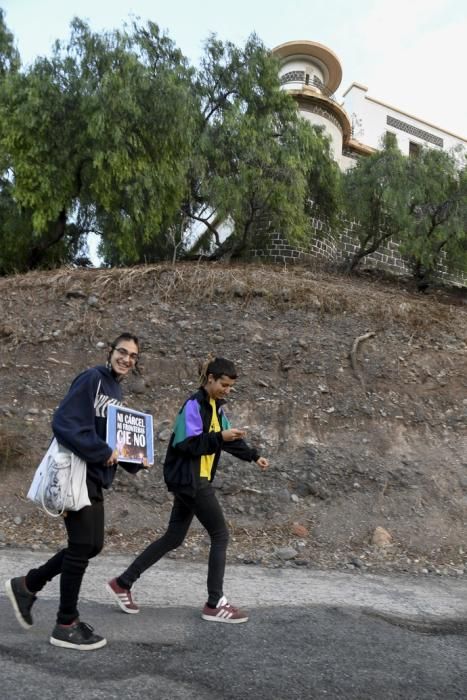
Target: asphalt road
310,635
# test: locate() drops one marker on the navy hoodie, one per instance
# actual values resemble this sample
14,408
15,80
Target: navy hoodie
80,424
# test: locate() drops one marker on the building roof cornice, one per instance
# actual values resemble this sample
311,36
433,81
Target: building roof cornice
313,49
403,112
412,116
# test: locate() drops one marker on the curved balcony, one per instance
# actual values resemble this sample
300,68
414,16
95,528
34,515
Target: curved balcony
306,81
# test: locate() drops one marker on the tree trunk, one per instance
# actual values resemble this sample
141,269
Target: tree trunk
39,250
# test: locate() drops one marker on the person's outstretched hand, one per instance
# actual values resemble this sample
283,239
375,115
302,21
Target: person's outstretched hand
262,463
232,434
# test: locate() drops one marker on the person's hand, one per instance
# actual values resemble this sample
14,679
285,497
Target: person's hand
232,434
145,463
262,463
113,459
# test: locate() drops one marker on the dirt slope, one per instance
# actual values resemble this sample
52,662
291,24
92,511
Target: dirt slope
356,389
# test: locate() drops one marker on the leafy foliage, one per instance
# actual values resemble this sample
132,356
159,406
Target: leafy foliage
438,228
116,134
421,202
256,155
99,132
9,56
376,197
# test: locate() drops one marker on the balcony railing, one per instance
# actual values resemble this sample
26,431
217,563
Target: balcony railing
299,76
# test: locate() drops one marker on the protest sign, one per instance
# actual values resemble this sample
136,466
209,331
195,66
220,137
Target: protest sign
131,433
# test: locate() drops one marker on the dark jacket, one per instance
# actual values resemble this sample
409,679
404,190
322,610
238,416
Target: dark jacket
80,423
191,439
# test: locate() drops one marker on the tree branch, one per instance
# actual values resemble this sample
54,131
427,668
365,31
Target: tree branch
208,224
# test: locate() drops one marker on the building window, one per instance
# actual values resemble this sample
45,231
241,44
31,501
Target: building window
414,149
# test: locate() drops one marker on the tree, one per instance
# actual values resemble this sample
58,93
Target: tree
376,198
159,113
15,226
255,153
438,214
15,231
99,135
116,134
39,130
9,57
324,181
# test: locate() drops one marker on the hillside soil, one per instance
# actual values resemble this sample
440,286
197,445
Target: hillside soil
354,388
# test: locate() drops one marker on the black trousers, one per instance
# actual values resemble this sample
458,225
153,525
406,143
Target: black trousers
205,506
85,529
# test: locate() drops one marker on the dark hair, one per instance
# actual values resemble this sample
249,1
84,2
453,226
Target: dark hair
218,367
124,336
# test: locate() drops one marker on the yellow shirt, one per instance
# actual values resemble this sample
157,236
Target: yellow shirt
208,460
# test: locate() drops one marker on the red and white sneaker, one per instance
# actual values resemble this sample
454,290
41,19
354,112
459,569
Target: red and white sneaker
224,612
122,597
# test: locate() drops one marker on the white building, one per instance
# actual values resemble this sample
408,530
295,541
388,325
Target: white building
312,73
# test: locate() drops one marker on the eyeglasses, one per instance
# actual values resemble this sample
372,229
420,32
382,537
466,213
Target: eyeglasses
133,356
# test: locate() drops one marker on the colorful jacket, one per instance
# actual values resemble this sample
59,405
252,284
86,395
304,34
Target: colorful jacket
191,439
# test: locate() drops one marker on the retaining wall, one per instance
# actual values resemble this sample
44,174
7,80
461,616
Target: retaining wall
338,248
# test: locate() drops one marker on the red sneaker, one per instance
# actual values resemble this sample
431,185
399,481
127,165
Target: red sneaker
224,612
122,597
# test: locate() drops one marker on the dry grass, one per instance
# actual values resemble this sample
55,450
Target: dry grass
381,303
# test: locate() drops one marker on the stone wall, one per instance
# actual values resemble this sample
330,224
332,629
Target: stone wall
337,248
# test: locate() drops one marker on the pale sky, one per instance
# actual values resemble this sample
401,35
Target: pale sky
411,54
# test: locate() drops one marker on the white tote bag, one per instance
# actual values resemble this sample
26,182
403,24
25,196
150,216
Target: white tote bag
59,483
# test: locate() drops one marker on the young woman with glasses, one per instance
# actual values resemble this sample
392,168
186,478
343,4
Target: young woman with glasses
79,424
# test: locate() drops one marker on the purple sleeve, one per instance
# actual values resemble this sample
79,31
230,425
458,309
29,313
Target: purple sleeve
189,436
193,423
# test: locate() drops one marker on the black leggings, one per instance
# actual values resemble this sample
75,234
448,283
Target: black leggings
85,530
205,506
